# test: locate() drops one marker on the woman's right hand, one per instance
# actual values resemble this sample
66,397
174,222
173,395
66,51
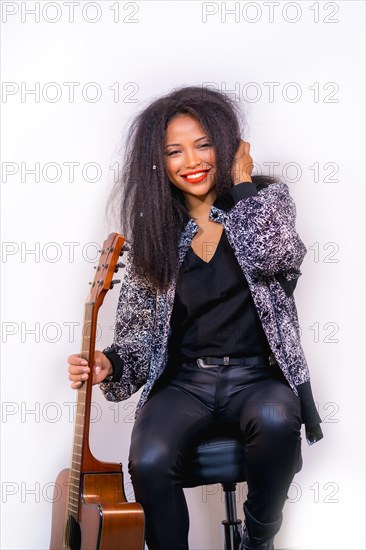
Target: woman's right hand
79,369
243,164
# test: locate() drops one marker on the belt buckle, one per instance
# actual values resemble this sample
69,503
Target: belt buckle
202,364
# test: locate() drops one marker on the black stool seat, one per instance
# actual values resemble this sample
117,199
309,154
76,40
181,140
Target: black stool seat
217,459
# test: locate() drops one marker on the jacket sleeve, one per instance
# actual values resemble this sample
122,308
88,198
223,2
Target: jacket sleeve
133,337
262,225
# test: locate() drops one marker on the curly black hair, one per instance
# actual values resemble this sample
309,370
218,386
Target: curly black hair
151,210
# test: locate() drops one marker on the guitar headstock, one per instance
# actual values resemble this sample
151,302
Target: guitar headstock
109,264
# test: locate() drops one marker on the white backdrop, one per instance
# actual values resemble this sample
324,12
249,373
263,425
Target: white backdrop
74,73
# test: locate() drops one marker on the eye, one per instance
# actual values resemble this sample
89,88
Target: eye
171,153
206,145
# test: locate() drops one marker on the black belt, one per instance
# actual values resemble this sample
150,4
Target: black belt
256,360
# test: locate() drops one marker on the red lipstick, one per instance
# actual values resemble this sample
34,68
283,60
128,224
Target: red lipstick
190,177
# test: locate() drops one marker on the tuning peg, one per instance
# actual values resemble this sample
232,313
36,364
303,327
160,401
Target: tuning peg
119,265
125,248
114,282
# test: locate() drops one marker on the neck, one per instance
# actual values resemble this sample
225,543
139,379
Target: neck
199,207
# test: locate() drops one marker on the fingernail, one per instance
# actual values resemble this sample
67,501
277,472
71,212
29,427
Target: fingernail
83,362
97,370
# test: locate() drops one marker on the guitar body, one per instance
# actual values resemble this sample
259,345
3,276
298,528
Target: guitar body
108,521
90,510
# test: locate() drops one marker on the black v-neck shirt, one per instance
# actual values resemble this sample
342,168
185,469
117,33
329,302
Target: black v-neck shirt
214,313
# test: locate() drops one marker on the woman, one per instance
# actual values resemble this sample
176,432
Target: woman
206,319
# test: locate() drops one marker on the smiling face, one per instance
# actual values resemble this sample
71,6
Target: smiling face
190,158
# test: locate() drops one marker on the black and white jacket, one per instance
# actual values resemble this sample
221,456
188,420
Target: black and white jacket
260,228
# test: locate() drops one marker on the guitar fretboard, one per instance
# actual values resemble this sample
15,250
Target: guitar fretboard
80,420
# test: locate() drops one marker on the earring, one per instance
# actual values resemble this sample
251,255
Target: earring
154,167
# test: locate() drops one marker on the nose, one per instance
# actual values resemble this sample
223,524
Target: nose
192,158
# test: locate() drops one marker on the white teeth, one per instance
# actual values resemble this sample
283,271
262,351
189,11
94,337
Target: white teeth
195,176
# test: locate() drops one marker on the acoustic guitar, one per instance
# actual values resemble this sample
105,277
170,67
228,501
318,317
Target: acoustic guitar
90,509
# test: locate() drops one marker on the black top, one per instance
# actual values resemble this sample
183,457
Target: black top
214,313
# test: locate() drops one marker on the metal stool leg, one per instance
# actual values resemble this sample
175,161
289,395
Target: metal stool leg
232,525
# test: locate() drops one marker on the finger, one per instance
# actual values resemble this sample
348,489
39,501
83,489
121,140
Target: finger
78,370
78,377
97,365
246,147
76,385
76,360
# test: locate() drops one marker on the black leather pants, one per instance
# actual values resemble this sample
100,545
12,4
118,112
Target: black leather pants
180,410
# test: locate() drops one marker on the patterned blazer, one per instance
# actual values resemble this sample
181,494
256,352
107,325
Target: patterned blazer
260,228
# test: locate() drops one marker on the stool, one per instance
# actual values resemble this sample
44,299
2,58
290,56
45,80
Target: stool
220,459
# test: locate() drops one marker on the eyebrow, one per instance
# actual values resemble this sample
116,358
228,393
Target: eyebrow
177,144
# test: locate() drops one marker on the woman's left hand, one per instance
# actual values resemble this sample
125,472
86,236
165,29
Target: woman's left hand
242,164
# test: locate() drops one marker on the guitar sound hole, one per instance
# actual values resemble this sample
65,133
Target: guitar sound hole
72,534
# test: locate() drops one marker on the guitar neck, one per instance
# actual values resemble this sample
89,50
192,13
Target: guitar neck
81,427
82,458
